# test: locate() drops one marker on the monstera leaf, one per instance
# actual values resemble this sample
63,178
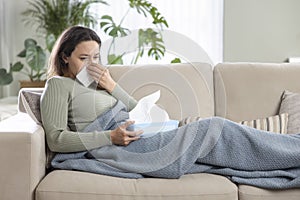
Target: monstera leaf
35,57
144,7
5,77
111,28
151,38
114,59
50,41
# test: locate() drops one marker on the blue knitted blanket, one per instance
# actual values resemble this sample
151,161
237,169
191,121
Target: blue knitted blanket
213,145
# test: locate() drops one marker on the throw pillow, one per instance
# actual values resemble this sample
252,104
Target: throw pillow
276,124
31,103
290,103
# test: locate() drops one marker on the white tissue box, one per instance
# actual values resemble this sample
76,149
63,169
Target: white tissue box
153,128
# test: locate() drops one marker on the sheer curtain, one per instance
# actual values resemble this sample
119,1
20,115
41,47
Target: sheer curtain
1,38
3,43
199,20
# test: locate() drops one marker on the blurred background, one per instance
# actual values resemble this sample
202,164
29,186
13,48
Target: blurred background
226,30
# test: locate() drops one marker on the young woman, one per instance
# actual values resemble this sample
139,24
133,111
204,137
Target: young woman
67,106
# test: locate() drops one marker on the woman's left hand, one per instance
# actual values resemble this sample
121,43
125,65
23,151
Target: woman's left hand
102,76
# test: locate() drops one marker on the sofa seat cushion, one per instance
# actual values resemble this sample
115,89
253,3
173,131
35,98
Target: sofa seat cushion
74,185
247,192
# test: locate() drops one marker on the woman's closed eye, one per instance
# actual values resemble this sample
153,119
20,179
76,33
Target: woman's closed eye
83,58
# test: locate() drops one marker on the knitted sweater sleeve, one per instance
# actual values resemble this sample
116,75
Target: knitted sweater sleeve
54,112
120,94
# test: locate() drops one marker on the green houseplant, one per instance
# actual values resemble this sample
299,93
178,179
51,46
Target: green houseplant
146,38
51,17
34,67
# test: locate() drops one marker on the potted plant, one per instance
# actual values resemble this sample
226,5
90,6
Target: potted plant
34,67
52,17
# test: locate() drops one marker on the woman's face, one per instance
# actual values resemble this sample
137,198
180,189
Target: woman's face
84,52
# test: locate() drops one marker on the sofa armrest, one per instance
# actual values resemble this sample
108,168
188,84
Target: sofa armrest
22,155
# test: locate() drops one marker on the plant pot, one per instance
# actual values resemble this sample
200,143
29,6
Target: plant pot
32,84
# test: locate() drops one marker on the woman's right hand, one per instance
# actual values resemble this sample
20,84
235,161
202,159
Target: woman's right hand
121,136
102,76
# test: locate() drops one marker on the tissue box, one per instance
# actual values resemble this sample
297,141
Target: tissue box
153,128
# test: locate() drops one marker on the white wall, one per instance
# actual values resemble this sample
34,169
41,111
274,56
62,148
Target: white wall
261,30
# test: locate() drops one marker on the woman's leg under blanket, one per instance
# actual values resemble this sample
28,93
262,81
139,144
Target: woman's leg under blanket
241,147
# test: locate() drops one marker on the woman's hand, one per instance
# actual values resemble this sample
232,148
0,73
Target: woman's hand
102,76
121,136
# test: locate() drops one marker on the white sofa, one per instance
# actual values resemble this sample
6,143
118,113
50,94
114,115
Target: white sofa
8,107
237,91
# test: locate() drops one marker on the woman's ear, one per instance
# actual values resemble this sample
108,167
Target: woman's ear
65,58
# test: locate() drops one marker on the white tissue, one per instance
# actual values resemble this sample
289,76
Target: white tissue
84,77
149,117
146,111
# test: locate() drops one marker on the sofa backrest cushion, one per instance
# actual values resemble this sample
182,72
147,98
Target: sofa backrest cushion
186,89
246,91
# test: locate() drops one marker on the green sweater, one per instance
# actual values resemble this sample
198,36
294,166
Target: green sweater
67,107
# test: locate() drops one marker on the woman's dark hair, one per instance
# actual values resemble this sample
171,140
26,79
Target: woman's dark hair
65,45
